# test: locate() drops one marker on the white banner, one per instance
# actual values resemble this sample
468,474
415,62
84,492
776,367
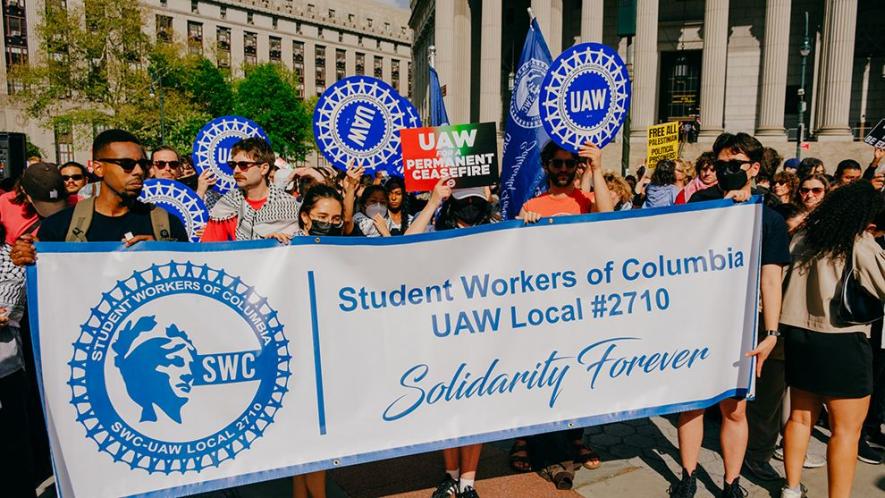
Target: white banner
171,369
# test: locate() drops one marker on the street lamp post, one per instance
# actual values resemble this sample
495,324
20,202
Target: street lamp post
157,89
804,51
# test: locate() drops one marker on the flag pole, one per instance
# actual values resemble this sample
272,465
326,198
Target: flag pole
531,14
431,56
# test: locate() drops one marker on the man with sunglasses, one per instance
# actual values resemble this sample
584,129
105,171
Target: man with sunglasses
165,163
256,209
562,197
74,175
737,162
115,214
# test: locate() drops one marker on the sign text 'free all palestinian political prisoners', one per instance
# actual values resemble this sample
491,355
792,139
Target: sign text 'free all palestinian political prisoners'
467,153
320,366
663,143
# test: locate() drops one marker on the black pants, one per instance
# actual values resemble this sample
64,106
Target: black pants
764,414
16,461
553,447
37,433
876,414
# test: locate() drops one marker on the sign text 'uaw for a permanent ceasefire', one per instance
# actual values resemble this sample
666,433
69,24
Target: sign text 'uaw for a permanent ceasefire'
467,153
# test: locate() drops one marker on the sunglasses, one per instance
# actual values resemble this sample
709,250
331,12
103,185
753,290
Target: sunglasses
559,163
75,178
127,164
243,165
812,190
780,182
731,166
167,164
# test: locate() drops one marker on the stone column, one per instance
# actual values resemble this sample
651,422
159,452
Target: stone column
544,12
490,63
591,20
713,68
444,41
775,52
839,28
645,69
554,39
459,110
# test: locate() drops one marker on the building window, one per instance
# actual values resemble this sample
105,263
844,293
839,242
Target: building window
275,22
250,48
360,63
298,66
379,67
341,37
369,22
320,65
680,85
331,13
249,18
195,7
223,12
378,43
387,27
298,27
359,40
223,46
164,29
64,143
394,74
276,49
340,64
320,32
195,37
350,18
16,28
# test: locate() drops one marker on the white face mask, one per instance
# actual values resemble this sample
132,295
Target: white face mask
376,208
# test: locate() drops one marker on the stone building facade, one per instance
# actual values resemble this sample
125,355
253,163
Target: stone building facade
735,65
322,41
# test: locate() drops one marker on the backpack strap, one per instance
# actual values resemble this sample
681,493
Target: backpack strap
160,224
81,220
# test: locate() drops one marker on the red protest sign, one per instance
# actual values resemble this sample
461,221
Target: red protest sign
467,153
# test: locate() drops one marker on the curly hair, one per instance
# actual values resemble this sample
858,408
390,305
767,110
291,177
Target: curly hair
831,229
818,177
619,186
789,179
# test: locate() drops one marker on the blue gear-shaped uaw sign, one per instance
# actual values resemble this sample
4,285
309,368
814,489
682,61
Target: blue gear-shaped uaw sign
213,143
154,388
585,96
358,119
180,200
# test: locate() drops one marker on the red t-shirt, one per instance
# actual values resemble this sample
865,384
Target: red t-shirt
223,231
575,202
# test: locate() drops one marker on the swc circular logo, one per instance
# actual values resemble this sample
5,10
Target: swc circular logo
524,105
585,96
213,143
179,368
180,200
358,120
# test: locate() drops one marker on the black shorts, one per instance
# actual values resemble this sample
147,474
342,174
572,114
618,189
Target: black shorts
832,365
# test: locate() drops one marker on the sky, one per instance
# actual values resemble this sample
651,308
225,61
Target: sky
399,3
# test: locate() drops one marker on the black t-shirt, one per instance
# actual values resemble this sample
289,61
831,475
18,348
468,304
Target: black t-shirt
107,228
775,237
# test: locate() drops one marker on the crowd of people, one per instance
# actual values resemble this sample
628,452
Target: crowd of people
821,234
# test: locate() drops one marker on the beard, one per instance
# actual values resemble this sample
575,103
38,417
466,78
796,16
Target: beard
562,180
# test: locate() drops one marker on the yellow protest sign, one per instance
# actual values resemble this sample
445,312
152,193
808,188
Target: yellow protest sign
663,143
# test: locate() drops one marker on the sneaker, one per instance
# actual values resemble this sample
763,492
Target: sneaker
448,488
779,453
868,454
877,440
814,461
687,487
761,470
468,492
789,493
734,490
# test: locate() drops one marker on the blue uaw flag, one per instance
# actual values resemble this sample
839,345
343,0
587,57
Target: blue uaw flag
524,135
438,115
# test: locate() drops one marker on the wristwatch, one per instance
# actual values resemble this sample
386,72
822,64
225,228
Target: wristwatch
773,333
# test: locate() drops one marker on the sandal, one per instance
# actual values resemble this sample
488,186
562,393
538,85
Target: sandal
519,456
559,475
585,456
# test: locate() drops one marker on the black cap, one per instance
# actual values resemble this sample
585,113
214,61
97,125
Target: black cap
43,182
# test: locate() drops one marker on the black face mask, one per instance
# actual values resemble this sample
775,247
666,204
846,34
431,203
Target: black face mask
318,227
730,175
470,212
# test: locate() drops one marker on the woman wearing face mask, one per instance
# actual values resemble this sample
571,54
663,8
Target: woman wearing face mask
397,205
372,219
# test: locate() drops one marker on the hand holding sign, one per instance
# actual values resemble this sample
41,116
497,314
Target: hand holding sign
213,143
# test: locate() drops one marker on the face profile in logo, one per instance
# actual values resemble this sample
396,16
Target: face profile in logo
158,370
157,389
524,107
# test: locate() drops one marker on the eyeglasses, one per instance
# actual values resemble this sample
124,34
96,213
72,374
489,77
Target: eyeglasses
126,163
243,165
167,164
559,163
812,190
76,178
781,182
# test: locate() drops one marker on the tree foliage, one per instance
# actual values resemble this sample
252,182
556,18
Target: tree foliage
267,97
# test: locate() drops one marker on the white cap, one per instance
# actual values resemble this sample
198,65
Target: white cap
463,193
